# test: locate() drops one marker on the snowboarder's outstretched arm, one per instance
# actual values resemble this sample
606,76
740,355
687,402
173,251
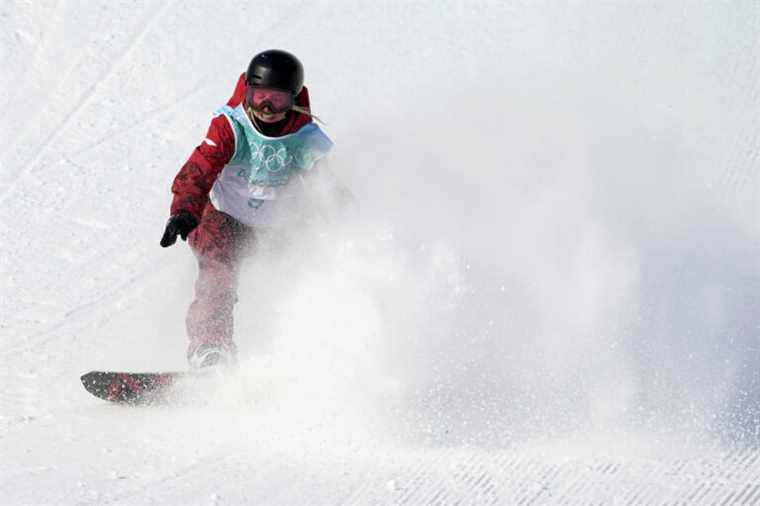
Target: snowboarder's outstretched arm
196,177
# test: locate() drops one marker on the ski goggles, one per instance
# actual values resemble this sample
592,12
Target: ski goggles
277,100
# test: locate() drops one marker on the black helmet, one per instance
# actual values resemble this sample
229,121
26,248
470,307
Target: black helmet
275,68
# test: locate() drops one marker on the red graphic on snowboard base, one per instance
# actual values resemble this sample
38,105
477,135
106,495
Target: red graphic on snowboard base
132,388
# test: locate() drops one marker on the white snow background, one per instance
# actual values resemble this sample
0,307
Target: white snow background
549,292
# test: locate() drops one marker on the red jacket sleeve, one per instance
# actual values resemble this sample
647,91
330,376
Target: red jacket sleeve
195,179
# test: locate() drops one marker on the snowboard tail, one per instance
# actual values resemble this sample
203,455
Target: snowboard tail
133,388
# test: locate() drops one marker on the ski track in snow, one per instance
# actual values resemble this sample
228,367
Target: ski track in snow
433,476
144,120
84,100
84,188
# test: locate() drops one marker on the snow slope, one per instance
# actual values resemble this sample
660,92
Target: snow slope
549,293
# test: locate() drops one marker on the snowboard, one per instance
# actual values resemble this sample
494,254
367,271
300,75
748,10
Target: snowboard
136,388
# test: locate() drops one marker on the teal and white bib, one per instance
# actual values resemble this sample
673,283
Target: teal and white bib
262,169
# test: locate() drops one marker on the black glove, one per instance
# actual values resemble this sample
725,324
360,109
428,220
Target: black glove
180,224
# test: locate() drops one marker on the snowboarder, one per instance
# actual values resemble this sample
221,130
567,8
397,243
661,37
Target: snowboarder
260,155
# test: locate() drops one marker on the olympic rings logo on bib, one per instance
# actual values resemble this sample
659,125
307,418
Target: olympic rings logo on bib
271,158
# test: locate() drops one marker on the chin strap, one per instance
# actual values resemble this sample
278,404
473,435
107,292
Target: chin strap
249,111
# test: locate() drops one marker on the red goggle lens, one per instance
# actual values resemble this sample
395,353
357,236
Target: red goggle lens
277,100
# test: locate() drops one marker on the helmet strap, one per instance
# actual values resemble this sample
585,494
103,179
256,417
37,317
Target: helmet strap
297,108
306,111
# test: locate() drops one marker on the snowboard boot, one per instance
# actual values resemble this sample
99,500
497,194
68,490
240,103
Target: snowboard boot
212,357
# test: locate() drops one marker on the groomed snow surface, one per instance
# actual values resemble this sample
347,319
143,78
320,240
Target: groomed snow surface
548,294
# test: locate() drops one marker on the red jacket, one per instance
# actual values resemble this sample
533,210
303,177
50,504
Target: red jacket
196,177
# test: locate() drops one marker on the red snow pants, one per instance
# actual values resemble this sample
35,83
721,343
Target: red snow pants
219,242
